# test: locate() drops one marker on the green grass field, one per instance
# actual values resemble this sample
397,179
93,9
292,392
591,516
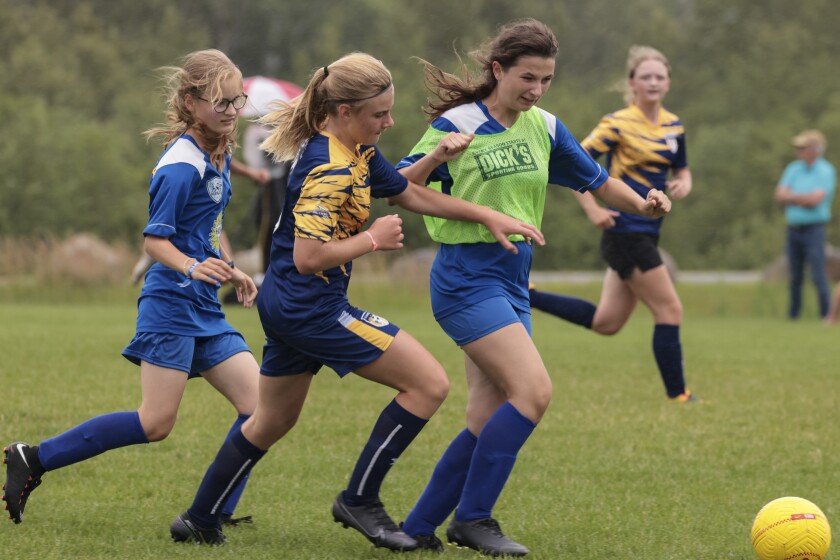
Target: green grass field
613,472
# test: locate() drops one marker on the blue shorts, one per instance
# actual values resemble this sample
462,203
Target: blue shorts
192,354
344,342
480,319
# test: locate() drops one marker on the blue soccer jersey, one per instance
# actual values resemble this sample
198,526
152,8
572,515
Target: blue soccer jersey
328,198
641,154
465,273
187,200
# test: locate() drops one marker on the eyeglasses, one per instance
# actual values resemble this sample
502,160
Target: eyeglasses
222,105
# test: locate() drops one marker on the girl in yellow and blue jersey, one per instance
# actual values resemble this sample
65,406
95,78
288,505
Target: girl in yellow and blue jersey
331,131
644,145
479,291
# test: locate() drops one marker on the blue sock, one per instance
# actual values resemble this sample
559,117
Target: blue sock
233,500
499,442
443,492
667,350
395,429
574,310
89,439
233,462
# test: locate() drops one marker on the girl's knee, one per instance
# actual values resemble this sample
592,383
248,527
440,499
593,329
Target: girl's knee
607,329
439,389
277,425
670,314
246,408
432,386
532,400
608,324
157,429
542,397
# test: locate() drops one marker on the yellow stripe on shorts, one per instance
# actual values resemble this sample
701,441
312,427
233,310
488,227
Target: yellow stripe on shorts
369,333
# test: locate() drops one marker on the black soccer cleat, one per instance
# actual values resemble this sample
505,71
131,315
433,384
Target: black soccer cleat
184,529
23,475
485,536
374,523
427,541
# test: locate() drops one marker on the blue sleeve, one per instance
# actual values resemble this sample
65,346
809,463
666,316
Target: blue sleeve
570,165
438,174
169,190
409,160
441,172
385,181
681,158
444,125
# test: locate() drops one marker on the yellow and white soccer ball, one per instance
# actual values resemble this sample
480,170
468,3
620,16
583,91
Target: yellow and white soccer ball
791,529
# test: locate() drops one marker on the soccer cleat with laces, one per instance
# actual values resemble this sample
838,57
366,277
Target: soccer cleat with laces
427,541
374,523
23,475
485,536
184,529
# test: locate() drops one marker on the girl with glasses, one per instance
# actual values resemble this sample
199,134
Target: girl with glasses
181,331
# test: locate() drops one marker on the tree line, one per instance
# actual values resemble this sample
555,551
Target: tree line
78,86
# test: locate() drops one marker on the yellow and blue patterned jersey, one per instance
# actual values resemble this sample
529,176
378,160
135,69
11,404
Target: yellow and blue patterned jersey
328,198
641,154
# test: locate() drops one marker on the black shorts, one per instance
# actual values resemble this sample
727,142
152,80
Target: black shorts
625,252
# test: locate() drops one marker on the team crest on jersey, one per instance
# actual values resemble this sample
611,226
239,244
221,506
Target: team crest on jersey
214,188
671,142
321,212
374,320
505,159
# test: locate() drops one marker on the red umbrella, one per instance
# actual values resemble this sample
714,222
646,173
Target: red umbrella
263,91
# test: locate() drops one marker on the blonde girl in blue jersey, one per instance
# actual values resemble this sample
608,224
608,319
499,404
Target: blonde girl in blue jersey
181,329
645,147
331,132
479,291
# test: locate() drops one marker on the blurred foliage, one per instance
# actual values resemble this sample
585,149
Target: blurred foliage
78,86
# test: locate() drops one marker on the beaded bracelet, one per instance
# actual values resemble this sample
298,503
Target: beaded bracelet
184,266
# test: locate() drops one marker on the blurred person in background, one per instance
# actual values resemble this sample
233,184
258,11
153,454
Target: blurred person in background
806,191
273,179
645,146
181,331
